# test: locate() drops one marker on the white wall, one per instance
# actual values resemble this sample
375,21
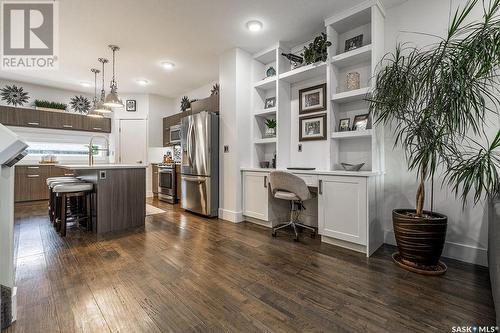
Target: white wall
314,153
234,76
467,229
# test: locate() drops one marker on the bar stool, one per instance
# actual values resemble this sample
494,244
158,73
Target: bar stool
51,182
79,191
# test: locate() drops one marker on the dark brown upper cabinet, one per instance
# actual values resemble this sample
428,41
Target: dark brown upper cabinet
24,117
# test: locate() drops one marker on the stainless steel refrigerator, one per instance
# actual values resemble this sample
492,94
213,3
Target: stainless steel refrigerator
200,163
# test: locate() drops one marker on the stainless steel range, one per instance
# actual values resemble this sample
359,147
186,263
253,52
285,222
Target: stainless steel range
166,183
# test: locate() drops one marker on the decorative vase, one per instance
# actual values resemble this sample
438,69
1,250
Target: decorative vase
352,81
270,132
420,241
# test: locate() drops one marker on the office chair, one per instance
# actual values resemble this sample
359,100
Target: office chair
287,186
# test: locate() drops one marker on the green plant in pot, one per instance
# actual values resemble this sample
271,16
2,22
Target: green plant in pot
436,100
271,127
317,50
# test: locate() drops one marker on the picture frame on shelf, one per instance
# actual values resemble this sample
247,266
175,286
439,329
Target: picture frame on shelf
344,124
360,122
312,99
131,105
353,43
270,103
312,128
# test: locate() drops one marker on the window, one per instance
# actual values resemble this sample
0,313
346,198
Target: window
61,149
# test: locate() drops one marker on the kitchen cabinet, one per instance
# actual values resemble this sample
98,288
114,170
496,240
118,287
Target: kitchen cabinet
30,181
255,195
25,117
343,208
155,179
210,104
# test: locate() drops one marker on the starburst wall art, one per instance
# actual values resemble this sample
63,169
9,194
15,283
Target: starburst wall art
80,104
14,95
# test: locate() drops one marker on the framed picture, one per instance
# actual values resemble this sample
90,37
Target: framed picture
353,43
131,105
312,127
344,124
270,103
360,122
312,99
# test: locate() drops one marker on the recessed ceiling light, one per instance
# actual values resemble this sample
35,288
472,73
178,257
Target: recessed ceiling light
85,84
254,26
143,82
167,65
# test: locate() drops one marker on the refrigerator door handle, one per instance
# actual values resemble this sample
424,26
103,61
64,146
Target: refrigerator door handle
199,180
189,144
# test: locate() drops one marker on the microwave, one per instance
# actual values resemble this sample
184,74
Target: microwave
175,134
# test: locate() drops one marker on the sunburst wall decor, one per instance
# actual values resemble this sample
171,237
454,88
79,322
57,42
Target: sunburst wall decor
14,95
80,104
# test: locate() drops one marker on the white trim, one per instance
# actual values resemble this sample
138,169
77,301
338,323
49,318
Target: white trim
344,244
462,252
231,216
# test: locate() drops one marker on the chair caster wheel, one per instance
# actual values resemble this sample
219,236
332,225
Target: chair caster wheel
274,234
296,239
313,235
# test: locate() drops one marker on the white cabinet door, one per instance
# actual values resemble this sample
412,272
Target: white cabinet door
255,195
342,208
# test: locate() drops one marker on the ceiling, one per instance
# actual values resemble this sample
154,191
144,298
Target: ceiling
190,33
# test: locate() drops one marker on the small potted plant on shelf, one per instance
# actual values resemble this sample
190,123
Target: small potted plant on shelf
270,128
436,100
317,50
49,106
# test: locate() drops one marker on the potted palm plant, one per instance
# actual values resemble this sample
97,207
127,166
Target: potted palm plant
436,100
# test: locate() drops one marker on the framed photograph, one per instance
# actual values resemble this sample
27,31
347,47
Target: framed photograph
360,122
270,103
131,105
312,99
353,43
312,127
344,124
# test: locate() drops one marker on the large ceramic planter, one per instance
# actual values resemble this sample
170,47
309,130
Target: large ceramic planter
420,240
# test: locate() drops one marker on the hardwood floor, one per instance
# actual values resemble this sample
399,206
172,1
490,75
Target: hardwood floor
184,273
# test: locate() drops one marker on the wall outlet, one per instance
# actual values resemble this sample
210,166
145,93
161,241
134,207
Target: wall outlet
226,148
299,147
102,174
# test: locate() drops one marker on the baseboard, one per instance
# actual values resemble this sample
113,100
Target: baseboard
466,253
149,195
231,216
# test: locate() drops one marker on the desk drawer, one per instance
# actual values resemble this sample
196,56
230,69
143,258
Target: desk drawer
311,180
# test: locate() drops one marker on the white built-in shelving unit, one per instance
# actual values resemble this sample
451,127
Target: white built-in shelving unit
353,147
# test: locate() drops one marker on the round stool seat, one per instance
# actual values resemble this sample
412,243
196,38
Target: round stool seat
70,188
51,179
64,181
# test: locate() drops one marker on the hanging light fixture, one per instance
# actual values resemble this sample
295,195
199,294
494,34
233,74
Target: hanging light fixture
101,107
112,99
93,113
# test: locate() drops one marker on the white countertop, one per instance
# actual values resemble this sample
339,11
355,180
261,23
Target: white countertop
320,172
102,166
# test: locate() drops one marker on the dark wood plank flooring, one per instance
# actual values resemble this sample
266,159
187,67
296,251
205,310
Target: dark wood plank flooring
184,273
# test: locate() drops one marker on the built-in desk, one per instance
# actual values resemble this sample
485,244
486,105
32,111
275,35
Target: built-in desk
345,211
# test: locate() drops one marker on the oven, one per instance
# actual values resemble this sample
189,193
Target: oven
166,183
175,134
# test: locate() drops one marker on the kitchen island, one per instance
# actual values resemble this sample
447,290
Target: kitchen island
119,201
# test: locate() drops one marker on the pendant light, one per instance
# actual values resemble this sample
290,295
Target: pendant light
93,113
101,107
113,100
